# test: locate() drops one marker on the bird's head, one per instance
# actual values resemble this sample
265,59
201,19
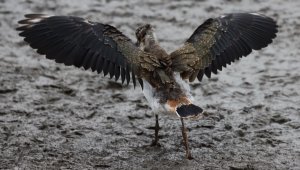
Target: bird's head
145,36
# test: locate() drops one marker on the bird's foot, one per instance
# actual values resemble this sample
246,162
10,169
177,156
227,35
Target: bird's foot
155,143
189,156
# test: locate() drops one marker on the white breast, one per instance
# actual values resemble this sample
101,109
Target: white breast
149,95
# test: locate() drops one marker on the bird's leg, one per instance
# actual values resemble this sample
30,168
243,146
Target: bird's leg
185,141
155,142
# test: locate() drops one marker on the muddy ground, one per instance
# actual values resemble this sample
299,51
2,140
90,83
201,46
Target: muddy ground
58,117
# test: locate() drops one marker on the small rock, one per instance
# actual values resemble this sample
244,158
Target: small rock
243,126
294,125
258,106
206,124
142,106
246,110
240,133
279,119
114,85
8,90
133,117
218,138
227,126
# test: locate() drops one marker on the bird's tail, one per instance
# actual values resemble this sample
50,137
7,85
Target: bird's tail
184,108
189,111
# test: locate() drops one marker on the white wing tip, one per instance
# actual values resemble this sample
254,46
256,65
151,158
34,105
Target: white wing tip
35,18
255,13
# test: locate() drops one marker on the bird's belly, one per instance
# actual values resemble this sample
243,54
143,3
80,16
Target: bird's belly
149,93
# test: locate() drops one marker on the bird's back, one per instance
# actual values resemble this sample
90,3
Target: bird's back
165,90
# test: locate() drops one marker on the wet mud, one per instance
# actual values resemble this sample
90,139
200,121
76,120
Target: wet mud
58,117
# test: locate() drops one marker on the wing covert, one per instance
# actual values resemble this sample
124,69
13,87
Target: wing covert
82,43
220,41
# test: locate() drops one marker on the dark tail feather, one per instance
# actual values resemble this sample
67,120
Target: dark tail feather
187,111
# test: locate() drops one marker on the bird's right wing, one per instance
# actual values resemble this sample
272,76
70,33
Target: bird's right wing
82,43
220,41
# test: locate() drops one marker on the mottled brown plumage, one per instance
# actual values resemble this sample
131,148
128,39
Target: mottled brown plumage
220,41
103,48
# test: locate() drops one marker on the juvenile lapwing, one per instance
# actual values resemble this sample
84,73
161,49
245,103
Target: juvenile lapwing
164,77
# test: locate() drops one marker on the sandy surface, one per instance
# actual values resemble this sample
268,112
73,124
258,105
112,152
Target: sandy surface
52,116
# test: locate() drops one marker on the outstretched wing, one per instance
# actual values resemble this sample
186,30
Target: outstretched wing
220,41
79,42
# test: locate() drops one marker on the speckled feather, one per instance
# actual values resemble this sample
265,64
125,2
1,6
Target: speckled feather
76,41
103,48
220,41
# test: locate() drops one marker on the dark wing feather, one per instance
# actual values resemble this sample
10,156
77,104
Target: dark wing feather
220,41
76,41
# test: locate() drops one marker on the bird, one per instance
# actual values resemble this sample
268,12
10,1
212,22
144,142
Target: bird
164,77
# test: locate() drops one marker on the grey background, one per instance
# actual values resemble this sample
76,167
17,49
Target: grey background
58,117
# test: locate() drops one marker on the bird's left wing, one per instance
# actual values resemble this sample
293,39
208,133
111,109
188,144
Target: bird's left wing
220,41
82,43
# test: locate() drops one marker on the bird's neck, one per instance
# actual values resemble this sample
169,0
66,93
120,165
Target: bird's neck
150,42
